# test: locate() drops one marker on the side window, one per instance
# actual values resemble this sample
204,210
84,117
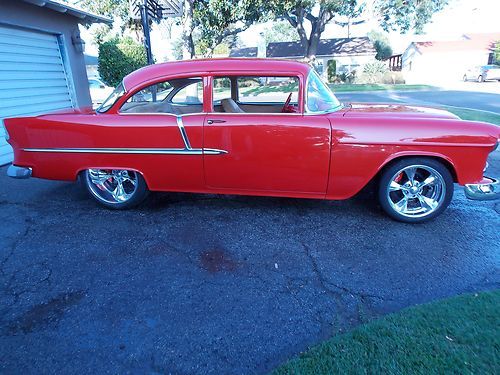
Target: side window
177,96
221,89
272,90
190,94
153,93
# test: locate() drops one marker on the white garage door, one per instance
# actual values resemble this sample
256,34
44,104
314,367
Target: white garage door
32,77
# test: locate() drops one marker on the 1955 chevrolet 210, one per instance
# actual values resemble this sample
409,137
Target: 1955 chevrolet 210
255,127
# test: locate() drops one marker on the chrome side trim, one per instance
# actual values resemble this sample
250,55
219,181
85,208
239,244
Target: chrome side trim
184,136
162,151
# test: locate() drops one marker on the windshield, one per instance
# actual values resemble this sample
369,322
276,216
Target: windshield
319,96
108,103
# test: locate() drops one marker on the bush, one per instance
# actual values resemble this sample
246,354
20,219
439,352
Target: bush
384,50
331,70
119,57
393,78
373,72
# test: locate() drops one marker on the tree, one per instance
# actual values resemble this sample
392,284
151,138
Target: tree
381,43
280,31
496,53
119,57
217,20
310,17
408,14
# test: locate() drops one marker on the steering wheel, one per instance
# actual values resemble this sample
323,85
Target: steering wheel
287,103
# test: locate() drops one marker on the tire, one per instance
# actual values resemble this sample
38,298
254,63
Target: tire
464,78
104,186
415,199
480,79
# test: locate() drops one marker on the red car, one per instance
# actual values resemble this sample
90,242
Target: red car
255,127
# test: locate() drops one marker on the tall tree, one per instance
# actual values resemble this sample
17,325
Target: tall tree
405,15
217,20
310,18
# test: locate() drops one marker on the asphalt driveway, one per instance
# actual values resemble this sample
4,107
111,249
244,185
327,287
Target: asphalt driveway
484,101
207,284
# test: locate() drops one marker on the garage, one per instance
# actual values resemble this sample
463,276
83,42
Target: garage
33,77
42,67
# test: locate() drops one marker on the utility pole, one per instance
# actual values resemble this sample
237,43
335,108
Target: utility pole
145,27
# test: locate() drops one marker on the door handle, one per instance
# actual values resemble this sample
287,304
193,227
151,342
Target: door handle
210,122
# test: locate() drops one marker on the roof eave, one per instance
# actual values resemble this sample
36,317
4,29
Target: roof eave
84,16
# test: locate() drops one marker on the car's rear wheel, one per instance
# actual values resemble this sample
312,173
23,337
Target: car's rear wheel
465,77
480,79
115,188
415,190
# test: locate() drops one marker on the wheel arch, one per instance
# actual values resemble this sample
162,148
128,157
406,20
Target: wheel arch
448,163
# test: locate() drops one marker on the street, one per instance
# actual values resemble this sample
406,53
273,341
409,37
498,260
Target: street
468,97
191,283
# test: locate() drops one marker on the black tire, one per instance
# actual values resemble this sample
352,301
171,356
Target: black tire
465,78
136,197
480,79
387,177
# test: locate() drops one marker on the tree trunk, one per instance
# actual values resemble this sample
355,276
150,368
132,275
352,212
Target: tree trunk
187,30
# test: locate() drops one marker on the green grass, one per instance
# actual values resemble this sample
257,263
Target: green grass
460,335
473,115
376,87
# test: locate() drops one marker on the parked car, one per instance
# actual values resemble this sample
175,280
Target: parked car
482,73
99,91
225,126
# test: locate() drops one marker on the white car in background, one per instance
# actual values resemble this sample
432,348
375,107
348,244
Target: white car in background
482,73
99,91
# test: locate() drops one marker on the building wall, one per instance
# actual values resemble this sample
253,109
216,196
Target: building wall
440,67
18,13
345,63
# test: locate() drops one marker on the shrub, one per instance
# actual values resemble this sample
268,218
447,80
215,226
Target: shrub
373,72
393,78
119,57
384,50
331,70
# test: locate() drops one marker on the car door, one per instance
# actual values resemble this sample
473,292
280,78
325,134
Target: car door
280,153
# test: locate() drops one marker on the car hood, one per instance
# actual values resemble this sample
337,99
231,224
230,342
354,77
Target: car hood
395,110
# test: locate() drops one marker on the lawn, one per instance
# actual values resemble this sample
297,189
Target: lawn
470,114
377,87
460,335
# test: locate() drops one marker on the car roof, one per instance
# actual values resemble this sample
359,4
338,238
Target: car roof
205,66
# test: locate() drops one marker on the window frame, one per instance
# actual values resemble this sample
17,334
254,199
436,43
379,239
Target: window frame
115,109
246,73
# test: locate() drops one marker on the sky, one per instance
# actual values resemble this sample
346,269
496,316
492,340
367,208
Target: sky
458,18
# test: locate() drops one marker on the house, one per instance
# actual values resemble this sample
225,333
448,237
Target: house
446,61
42,67
243,52
349,53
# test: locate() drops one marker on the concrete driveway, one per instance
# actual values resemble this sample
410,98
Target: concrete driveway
464,97
206,284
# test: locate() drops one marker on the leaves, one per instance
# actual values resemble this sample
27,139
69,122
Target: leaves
119,57
405,15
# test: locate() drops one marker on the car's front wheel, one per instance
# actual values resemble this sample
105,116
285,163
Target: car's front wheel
115,188
415,190
480,79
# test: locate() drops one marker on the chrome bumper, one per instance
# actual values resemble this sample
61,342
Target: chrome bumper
18,172
488,189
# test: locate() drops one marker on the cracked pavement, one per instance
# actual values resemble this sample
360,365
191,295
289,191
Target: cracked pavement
215,284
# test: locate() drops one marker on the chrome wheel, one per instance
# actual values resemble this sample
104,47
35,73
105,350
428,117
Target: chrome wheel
416,191
112,185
